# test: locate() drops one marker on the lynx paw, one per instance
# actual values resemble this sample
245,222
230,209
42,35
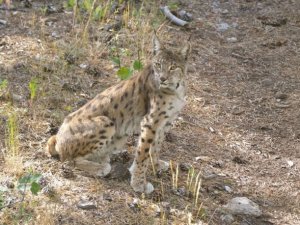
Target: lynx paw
105,170
143,188
162,166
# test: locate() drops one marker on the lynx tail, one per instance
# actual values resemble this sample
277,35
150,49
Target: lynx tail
50,149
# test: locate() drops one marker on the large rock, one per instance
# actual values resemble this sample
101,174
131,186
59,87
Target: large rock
243,205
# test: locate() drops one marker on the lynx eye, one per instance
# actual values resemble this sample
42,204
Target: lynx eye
158,65
172,67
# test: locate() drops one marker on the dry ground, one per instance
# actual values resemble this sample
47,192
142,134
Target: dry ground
240,127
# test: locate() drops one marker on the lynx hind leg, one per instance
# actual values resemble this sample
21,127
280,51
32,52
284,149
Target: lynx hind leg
93,168
96,159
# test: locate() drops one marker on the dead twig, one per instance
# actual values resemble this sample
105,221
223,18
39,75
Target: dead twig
173,18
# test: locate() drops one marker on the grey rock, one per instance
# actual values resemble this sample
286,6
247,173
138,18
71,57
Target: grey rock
185,166
281,96
243,205
84,204
184,15
231,39
3,22
223,26
228,189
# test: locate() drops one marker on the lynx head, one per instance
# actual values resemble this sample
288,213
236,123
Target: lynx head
169,65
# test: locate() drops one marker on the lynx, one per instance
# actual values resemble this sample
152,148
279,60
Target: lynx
147,103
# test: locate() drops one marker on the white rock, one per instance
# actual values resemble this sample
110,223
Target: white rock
243,205
83,204
290,163
225,11
232,39
4,22
83,66
55,34
223,26
228,189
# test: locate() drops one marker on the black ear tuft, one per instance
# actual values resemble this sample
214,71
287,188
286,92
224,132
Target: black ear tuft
156,44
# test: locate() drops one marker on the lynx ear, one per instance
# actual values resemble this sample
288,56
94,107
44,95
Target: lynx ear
185,51
156,44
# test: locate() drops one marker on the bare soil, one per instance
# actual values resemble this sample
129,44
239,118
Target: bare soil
240,126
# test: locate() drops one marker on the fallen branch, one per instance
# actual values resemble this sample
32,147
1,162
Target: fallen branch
173,18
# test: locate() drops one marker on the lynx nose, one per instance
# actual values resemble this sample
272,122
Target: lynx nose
163,79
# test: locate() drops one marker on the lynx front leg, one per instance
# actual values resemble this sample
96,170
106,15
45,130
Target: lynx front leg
141,161
157,164
142,157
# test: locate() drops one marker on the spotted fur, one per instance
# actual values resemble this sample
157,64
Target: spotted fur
148,102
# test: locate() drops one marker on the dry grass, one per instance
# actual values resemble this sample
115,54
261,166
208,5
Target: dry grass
231,112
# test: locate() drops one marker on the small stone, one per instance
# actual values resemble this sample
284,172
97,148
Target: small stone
223,26
218,164
228,189
55,35
81,102
17,98
27,4
3,22
135,205
281,96
49,191
10,184
243,205
119,171
180,191
170,137
231,39
185,166
203,158
67,172
184,15
68,87
227,219
267,83
107,197
290,163
95,70
212,130
86,205
83,66
70,58
51,9
239,160
225,11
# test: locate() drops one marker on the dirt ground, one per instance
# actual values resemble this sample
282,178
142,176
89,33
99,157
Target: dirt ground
240,127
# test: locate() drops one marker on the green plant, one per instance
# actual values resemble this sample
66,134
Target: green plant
3,189
3,84
137,65
30,181
116,60
173,6
87,5
12,135
33,85
3,87
125,72
70,3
